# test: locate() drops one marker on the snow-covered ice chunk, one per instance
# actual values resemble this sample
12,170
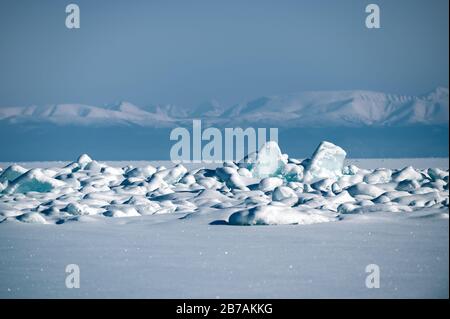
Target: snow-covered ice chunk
11,173
380,175
276,215
292,172
294,161
94,166
144,172
244,172
155,183
419,200
297,186
349,180
326,162
407,173
343,197
236,182
438,184
70,168
377,208
209,182
188,179
347,208
230,164
350,170
285,194
437,174
33,181
408,185
336,188
269,161
257,200
111,170
268,184
231,178
323,185
224,173
330,203
249,160
8,210
147,209
209,198
175,174
83,160
383,199
79,209
32,218
365,189
121,211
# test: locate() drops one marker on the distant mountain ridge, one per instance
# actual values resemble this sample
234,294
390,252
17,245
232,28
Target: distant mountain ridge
305,109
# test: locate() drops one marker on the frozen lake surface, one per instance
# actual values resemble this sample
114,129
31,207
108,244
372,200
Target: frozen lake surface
195,252
163,257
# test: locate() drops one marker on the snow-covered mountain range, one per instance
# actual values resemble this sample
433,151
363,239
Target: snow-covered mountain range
306,109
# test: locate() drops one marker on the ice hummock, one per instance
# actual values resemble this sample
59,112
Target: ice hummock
326,162
269,161
84,160
11,173
274,214
266,188
33,180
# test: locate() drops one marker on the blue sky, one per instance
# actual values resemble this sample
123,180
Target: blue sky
186,52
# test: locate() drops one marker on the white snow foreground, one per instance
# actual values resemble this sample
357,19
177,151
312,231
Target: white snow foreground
265,188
